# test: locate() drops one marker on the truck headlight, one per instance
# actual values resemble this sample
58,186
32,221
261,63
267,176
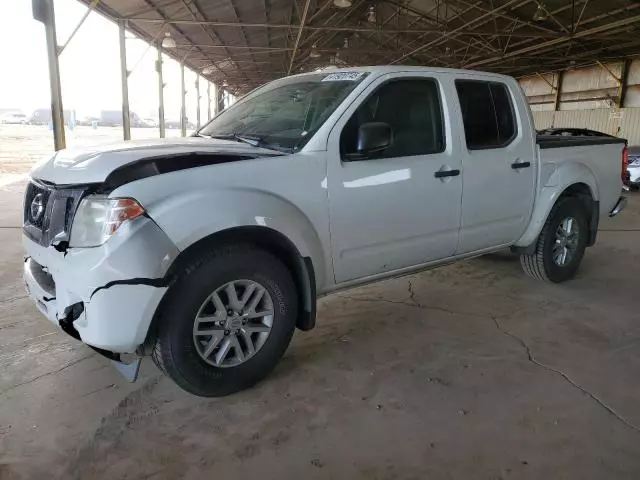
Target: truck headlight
99,217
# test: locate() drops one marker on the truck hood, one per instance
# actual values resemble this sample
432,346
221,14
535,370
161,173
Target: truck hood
94,164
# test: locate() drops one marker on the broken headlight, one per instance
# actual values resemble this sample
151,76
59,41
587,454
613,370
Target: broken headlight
99,217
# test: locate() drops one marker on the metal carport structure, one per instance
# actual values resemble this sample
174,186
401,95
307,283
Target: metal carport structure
240,44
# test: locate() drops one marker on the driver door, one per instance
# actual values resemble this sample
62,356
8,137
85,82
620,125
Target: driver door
399,208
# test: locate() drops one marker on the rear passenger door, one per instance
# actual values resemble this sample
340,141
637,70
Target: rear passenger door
498,167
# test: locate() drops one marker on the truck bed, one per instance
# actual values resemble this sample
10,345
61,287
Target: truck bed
597,158
560,141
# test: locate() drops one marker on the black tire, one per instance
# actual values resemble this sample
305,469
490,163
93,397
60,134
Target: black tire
540,264
174,350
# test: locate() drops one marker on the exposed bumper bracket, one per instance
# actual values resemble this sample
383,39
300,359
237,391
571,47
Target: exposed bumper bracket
620,206
128,370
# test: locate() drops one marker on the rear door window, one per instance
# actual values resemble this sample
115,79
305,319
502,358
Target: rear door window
487,114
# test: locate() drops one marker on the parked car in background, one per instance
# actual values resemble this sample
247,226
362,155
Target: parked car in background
42,116
173,123
110,118
113,118
149,122
14,118
207,252
634,167
88,121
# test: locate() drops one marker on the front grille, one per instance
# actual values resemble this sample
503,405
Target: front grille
49,211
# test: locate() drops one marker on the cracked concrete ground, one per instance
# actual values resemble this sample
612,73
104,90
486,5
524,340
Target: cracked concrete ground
469,371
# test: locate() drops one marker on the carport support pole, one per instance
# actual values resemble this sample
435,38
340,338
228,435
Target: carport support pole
208,100
557,98
160,90
219,99
183,113
622,87
124,74
46,15
198,104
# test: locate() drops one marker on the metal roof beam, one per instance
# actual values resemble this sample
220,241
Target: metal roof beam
559,41
235,13
143,11
351,29
317,30
444,26
180,31
586,21
204,30
345,16
617,79
241,47
90,8
512,16
522,22
448,34
553,87
425,17
318,12
295,45
396,13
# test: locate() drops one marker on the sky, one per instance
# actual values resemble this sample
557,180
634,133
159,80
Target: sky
89,66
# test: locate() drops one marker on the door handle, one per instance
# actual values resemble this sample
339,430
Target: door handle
446,173
518,165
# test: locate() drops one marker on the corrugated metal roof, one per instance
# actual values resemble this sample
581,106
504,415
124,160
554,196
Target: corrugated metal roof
247,42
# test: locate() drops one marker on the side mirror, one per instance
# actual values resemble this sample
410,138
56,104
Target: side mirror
374,137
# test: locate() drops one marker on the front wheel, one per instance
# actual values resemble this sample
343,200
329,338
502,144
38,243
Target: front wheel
561,243
226,322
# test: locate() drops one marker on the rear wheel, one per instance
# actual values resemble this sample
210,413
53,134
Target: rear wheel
561,243
227,321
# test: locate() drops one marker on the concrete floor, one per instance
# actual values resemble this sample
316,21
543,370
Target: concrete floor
468,371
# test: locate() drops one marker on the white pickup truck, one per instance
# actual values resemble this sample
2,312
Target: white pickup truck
206,253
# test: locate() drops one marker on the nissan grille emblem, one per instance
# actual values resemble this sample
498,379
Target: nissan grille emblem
37,207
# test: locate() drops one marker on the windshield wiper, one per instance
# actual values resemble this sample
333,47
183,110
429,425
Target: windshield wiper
253,140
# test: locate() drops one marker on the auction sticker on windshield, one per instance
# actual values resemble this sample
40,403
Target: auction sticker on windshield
343,76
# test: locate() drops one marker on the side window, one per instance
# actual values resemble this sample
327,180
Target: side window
487,113
412,108
504,113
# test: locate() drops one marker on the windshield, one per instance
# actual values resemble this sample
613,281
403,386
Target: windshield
284,115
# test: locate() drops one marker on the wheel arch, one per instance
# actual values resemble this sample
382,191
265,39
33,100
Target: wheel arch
301,267
578,189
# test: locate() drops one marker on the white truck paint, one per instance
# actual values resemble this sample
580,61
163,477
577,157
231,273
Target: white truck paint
351,221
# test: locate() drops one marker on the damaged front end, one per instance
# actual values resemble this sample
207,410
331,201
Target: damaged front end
105,295
129,368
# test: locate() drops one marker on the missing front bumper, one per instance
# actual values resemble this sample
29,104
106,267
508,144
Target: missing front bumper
129,370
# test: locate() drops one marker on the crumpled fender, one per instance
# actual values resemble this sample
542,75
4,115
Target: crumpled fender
193,215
